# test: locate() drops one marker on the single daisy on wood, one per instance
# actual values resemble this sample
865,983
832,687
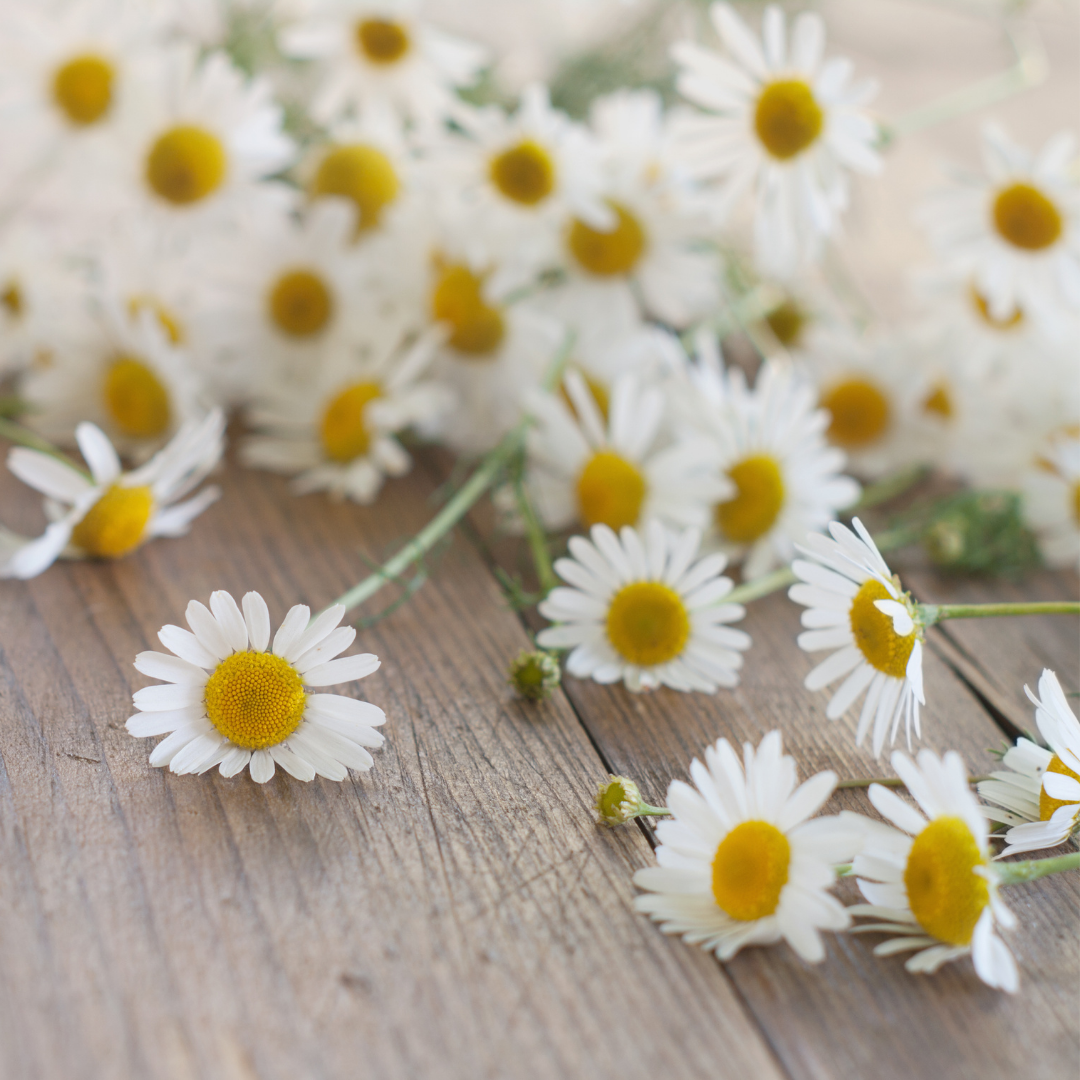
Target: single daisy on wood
231,700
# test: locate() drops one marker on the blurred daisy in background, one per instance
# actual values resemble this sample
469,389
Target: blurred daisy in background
110,513
930,880
1051,499
642,611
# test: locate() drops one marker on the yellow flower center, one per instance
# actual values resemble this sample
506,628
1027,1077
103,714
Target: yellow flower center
610,491
751,512
598,390
362,174
1026,218
11,300
300,303
525,173
136,399
787,322
167,321
382,41
787,119
477,327
882,646
860,413
944,893
750,869
82,88
255,699
115,524
939,402
344,434
608,253
186,164
610,801
1047,806
647,623
982,307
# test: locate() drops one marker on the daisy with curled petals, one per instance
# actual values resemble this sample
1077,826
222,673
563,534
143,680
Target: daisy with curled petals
930,880
1038,791
616,470
373,52
1051,500
1016,230
640,609
110,513
782,122
857,608
740,860
232,701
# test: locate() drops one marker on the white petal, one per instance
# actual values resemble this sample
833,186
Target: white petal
257,617
165,698
344,670
320,627
344,708
291,628
208,630
230,620
903,815
262,766
170,668
187,646
98,452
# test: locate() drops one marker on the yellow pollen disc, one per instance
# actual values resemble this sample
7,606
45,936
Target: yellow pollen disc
612,797
787,119
11,300
382,41
477,327
115,524
362,174
186,164
751,512
882,646
982,307
939,402
136,399
343,431
944,893
255,699
860,413
1047,806
1026,218
300,304
82,88
750,869
787,322
610,491
608,253
598,390
647,623
168,322
525,173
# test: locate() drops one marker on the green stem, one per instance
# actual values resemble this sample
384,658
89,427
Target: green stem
935,613
891,781
1014,873
645,810
534,533
16,433
889,487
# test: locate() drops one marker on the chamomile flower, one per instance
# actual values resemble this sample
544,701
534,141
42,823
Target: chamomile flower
782,122
1016,230
1051,500
857,608
337,433
374,52
110,513
588,469
232,701
641,609
1038,791
930,880
740,860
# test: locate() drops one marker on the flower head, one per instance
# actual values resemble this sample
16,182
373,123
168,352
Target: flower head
618,801
535,674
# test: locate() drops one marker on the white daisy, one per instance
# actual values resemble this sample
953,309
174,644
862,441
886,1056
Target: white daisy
110,513
782,122
337,432
784,479
1016,230
380,51
740,861
1038,791
230,702
857,608
640,609
933,883
1051,500
588,469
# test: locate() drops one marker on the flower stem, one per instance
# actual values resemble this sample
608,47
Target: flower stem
889,487
534,533
645,810
1014,873
935,613
891,781
16,433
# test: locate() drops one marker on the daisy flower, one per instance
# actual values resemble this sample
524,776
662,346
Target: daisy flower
740,860
110,513
1051,500
1038,791
857,608
616,470
641,609
782,122
931,882
229,701
1016,230
336,433
380,51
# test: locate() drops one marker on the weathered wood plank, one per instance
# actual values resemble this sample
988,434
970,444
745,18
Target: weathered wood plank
453,913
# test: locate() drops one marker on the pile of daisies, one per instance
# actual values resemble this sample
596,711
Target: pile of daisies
324,219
